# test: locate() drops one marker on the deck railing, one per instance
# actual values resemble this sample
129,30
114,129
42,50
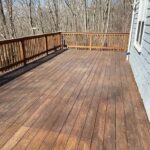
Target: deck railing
99,41
18,52
15,53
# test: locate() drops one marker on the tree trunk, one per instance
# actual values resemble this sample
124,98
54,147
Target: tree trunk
31,18
85,15
5,33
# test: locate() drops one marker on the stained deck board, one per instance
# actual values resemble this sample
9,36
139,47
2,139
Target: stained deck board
77,100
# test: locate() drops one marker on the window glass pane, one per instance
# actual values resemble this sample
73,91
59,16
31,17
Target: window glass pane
141,35
138,31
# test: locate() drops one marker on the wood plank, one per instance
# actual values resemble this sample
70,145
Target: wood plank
98,133
19,102
29,75
86,137
52,137
50,122
67,128
130,120
23,85
78,100
76,132
96,47
121,136
141,119
21,120
110,127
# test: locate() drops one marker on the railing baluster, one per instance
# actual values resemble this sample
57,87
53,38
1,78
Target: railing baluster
108,41
90,42
17,52
23,52
46,42
28,49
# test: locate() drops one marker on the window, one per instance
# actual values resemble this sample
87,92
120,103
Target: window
140,24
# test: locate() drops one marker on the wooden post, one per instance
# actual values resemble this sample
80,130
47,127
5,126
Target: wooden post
62,44
24,52
54,40
46,44
90,42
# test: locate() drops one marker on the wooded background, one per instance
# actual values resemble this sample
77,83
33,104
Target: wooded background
29,17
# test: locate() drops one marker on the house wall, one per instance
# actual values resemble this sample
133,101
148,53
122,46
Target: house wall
140,63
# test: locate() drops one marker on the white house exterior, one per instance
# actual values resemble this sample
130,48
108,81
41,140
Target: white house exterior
139,49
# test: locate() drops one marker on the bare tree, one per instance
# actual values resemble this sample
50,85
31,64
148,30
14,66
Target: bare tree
5,31
73,14
86,14
106,16
40,18
31,5
30,17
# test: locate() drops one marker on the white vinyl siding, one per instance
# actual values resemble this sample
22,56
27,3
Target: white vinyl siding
140,64
140,24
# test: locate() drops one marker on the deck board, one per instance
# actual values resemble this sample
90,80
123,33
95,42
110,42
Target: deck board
77,100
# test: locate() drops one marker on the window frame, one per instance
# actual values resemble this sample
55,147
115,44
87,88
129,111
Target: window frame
140,24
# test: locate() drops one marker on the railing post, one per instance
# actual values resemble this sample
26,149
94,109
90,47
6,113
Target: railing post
23,52
46,44
90,42
54,42
62,44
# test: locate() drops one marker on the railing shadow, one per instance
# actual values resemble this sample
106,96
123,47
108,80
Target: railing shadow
18,72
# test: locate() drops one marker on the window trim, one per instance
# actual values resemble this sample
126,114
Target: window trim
141,19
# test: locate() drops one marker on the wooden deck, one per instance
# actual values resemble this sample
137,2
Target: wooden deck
77,100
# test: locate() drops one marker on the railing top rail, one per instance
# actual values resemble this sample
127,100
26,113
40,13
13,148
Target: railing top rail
20,51
27,37
100,33
64,33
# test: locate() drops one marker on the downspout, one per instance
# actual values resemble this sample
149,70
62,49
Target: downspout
130,36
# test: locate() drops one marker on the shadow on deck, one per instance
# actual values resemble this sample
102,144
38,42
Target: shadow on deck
79,99
17,72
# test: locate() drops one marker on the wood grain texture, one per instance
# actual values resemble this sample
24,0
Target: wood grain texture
78,100
97,41
15,53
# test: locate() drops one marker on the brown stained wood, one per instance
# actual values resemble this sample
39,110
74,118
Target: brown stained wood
121,136
35,47
72,124
78,100
24,117
78,127
31,48
28,77
98,133
130,119
66,130
87,133
94,33
141,121
23,52
27,100
98,41
26,80
51,137
96,47
110,128
70,102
